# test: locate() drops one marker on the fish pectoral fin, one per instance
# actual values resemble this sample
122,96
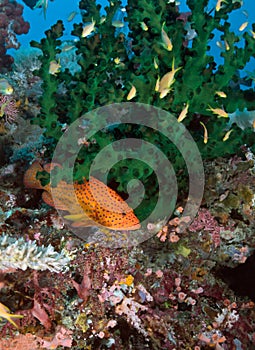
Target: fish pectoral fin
83,223
81,220
48,199
74,217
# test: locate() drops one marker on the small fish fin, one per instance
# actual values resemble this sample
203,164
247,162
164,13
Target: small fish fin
74,217
107,199
47,198
85,221
38,4
129,228
30,180
50,166
56,203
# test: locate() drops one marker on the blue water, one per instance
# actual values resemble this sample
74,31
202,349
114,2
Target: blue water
60,9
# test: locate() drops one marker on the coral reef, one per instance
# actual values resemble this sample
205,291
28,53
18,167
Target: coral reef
162,294
26,84
177,290
11,25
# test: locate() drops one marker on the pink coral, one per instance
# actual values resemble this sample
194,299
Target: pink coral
83,289
8,108
11,24
206,222
62,337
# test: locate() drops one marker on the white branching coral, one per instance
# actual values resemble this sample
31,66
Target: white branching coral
130,308
21,254
227,317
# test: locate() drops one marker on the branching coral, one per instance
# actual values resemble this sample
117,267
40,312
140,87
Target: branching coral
112,61
19,254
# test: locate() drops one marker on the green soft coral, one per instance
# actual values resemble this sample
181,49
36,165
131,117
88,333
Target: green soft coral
112,61
48,118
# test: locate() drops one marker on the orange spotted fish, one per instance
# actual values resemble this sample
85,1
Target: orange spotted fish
106,208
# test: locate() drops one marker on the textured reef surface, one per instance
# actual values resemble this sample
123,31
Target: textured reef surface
183,288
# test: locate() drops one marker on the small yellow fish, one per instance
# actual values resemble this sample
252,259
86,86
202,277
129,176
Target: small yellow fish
168,79
117,60
219,44
43,4
144,26
5,313
205,132
167,43
226,137
157,84
54,67
252,33
71,16
219,112
5,87
245,13
118,24
102,19
183,113
155,63
243,26
164,92
67,47
131,93
92,204
219,4
221,94
88,29
227,47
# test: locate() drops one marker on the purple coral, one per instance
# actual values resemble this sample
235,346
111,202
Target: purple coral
8,108
205,221
11,25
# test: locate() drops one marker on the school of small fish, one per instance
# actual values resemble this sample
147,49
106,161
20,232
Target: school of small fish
163,84
94,204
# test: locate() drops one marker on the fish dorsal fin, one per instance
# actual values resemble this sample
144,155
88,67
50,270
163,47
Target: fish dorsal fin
50,166
47,198
107,198
30,180
63,197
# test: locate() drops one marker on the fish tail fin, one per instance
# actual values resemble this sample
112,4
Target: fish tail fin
173,64
30,180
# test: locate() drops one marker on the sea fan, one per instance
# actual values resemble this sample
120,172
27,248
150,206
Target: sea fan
8,108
